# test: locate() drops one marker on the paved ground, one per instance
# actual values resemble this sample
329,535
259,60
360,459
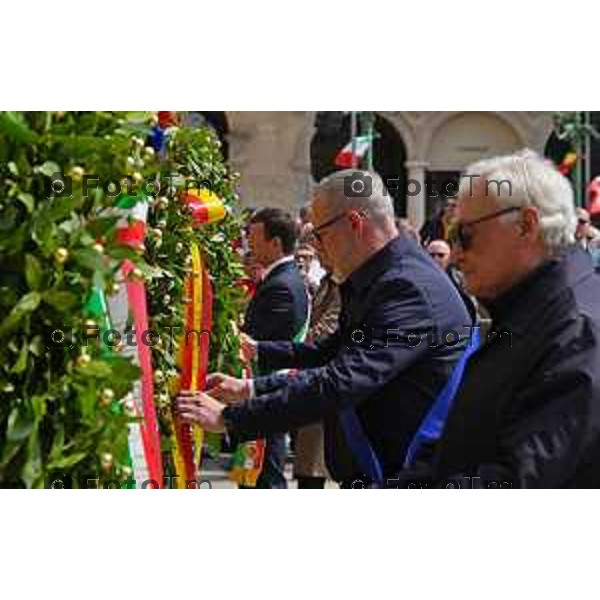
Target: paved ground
214,471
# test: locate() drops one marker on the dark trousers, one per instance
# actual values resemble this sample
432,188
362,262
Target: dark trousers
311,483
272,475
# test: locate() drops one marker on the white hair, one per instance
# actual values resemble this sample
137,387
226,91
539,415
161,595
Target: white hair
526,179
336,190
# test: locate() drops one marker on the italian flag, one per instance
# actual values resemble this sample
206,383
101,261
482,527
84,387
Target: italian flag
348,159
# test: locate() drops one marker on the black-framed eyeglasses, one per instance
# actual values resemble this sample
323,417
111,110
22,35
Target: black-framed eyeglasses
316,232
462,233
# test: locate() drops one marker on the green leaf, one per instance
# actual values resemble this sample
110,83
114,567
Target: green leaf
49,168
36,347
32,471
102,226
67,461
43,231
89,259
28,200
123,253
60,300
33,272
20,424
123,369
97,368
12,167
61,208
21,364
13,124
26,305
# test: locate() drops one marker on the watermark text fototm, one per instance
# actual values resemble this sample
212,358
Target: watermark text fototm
360,184
59,185
64,336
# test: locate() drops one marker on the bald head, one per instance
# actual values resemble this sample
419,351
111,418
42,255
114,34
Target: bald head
439,250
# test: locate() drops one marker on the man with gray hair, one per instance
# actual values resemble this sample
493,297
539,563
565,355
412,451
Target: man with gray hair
527,413
402,329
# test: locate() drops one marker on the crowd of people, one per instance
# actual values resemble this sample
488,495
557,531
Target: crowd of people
465,354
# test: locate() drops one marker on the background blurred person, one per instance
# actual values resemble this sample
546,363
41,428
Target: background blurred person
439,250
439,226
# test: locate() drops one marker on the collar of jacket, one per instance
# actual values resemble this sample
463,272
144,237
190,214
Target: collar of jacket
389,255
281,261
516,309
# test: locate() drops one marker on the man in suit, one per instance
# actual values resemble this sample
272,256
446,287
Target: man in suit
277,311
374,380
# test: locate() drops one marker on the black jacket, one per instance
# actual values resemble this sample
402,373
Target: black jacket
390,380
279,307
528,411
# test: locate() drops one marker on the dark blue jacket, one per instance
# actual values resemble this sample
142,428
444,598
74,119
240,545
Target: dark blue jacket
527,413
279,307
371,362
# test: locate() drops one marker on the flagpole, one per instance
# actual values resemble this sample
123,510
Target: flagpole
370,132
353,132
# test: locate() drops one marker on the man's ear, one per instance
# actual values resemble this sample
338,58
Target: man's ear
530,221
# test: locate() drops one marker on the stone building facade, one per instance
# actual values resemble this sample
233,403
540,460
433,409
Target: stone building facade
272,150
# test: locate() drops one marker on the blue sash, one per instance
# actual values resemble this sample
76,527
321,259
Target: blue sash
430,429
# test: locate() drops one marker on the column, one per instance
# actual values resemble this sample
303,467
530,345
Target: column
416,194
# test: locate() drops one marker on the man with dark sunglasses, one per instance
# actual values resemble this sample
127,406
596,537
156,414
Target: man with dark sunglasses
527,413
439,250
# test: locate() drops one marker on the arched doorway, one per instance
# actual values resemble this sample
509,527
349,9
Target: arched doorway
332,133
458,141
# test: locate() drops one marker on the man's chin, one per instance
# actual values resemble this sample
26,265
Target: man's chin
472,286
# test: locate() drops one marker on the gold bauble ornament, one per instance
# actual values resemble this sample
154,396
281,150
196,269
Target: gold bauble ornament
77,173
61,255
126,472
106,461
90,327
130,162
137,274
178,247
157,233
99,248
149,152
158,376
83,360
162,224
115,288
107,396
138,141
162,202
138,177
